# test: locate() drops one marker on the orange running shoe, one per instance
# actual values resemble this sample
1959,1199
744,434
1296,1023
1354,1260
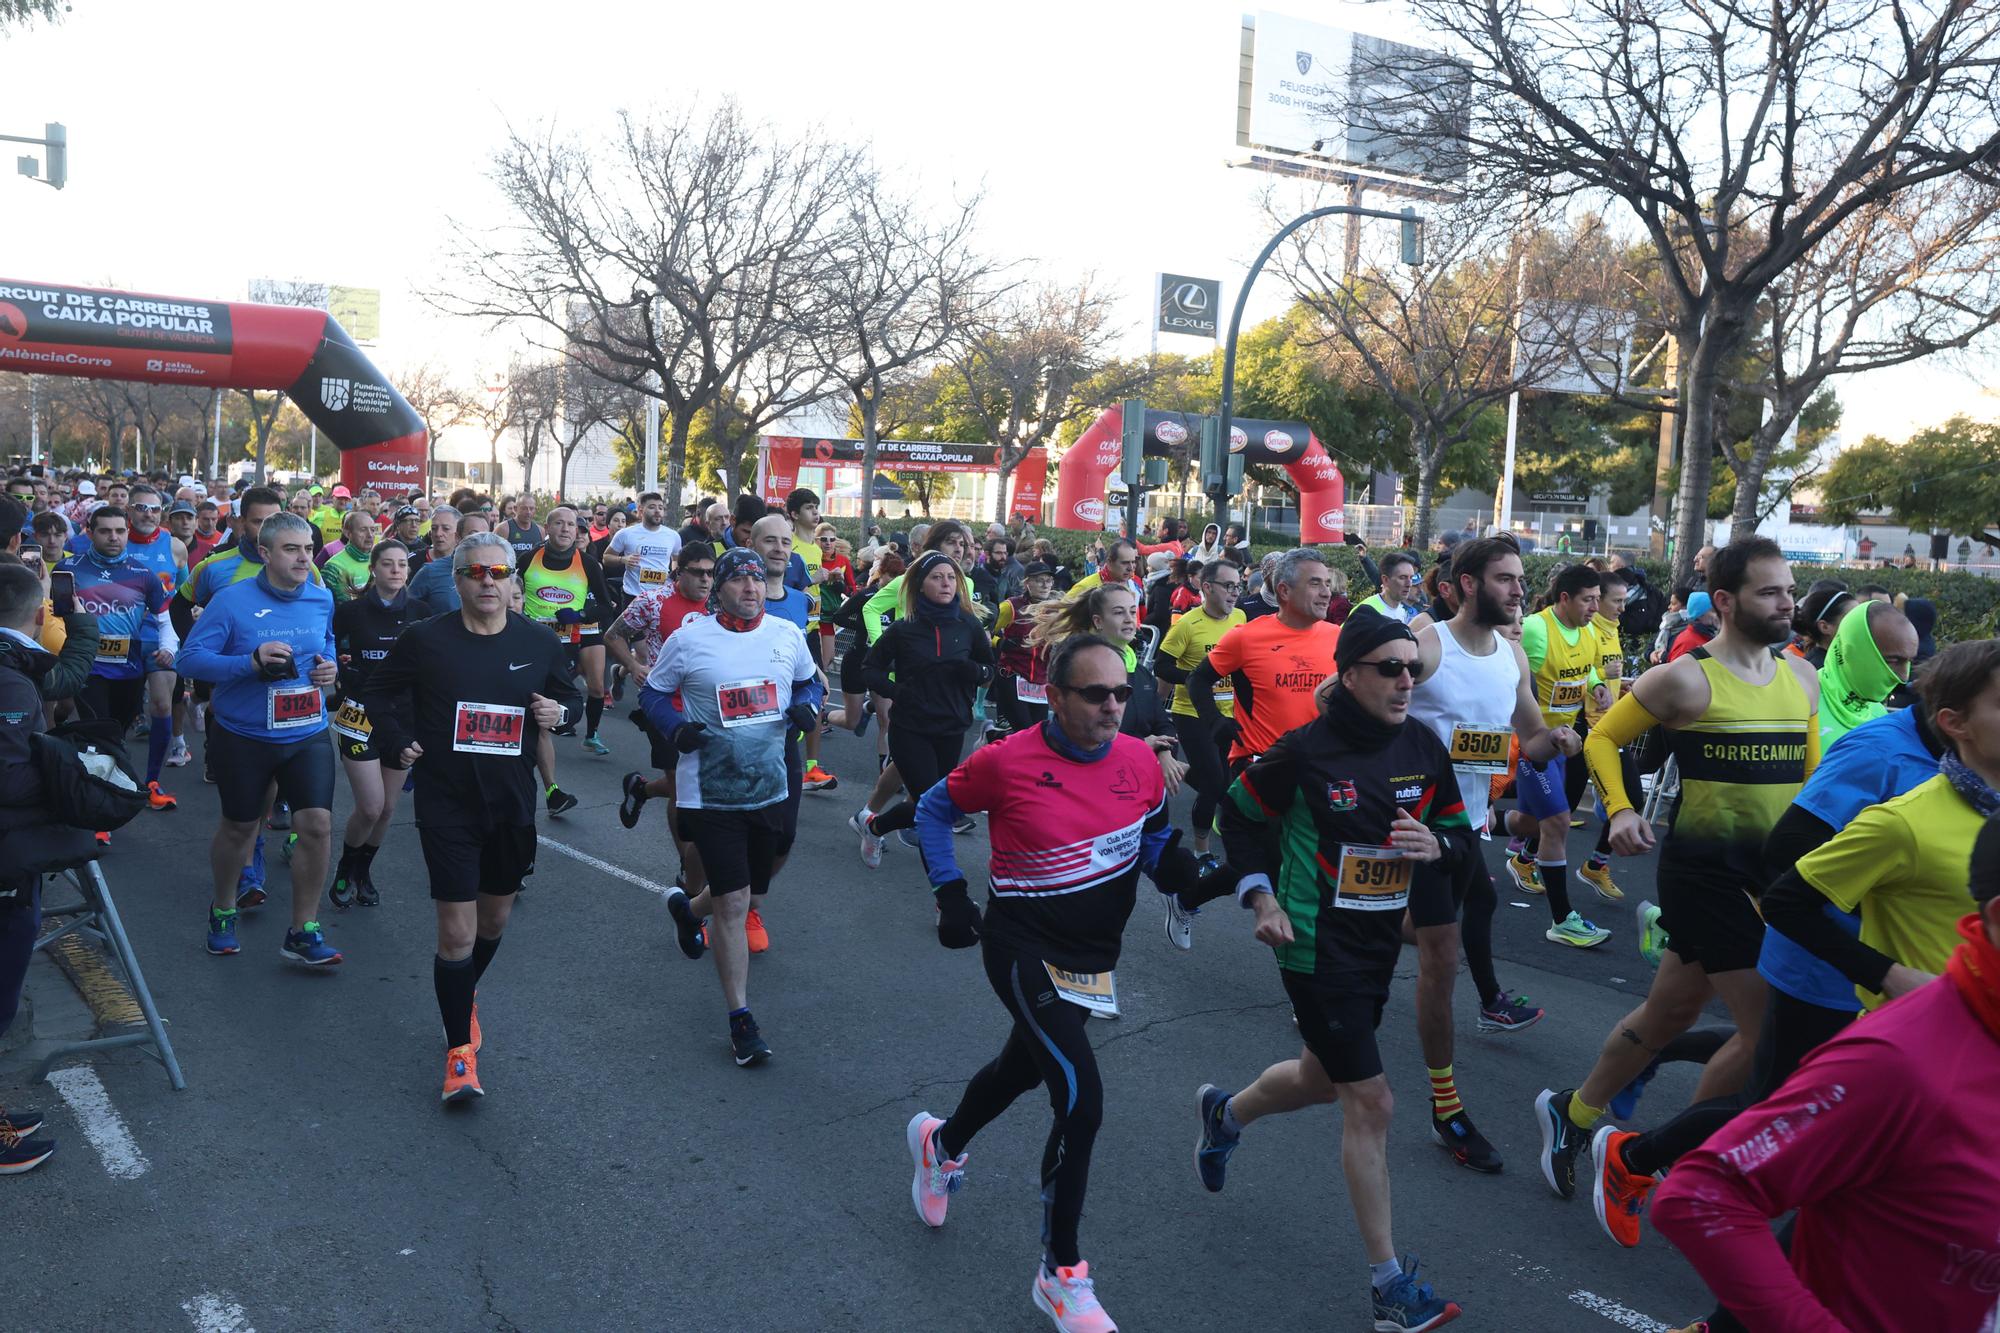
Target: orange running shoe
478,1040
158,799
1620,1193
461,1075
753,929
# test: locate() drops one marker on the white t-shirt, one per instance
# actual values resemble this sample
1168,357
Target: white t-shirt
649,557
738,684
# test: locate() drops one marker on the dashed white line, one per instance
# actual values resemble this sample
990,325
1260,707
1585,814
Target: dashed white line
100,1121
212,1314
1618,1314
618,872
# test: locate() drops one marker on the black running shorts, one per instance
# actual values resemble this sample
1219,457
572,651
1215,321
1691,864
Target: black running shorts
245,768
1338,1026
465,860
1710,922
739,848
1437,894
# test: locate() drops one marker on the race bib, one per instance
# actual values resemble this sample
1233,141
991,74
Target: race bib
653,578
1372,879
1481,751
1223,696
293,707
352,721
489,729
1095,991
1030,693
114,648
1566,696
743,702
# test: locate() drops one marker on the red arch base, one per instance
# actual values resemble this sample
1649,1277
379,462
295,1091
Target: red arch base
1083,474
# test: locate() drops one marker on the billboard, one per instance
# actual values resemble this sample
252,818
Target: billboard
1369,95
356,309
1187,305
1574,348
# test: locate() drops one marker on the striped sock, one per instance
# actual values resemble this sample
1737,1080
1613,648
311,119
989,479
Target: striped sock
1444,1094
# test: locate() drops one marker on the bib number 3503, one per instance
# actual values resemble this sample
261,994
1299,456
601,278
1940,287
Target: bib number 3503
1481,751
1373,879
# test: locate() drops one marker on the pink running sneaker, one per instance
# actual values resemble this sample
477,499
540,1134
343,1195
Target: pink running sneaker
937,1178
1069,1299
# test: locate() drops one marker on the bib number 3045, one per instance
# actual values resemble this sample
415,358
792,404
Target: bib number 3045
1373,879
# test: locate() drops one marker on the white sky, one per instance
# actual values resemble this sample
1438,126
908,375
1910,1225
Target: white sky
221,141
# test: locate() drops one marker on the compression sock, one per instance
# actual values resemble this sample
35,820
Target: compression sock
1583,1115
1229,1122
1555,880
350,861
159,739
1444,1093
1603,851
454,979
483,950
593,713
1382,1274
364,858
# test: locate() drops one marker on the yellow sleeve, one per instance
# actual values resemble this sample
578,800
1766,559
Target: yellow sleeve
1812,744
1873,849
1176,642
1627,721
1003,620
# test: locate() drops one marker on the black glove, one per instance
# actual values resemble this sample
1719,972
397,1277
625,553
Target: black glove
964,669
803,717
690,736
1178,870
1226,732
958,919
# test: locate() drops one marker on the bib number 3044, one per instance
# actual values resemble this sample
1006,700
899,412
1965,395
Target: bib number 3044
1373,879
489,729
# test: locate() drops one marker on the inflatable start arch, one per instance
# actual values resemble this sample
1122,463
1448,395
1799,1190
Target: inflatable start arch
96,333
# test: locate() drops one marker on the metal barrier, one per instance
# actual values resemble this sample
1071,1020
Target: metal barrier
95,916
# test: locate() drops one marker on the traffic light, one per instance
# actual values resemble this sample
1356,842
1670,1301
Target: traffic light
1413,237
58,145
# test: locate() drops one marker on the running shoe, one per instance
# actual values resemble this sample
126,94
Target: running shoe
1652,940
1216,1143
287,847
634,800
103,838
1409,1306
308,945
746,1043
1180,922
20,1154
461,1075
1561,1141
687,930
1509,1013
871,846
818,779
365,892
1617,1193
179,756
1526,876
1069,1299
341,895
281,818
1599,877
560,801
961,826
20,1122
594,745
222,931
1457,1135
908,837
1574,931
478,1037
158,799
754,933
1627,1101
250,879
937,1177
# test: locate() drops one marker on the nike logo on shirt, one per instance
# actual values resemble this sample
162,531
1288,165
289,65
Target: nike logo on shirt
519,666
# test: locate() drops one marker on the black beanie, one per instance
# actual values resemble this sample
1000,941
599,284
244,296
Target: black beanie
1365,630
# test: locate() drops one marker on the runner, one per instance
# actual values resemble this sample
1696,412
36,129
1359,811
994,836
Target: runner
1743,731
1364,798
365,628
1474,694
1020,690
1075,811
805,572
521,530
458,698
641,555
267,648
346,570
167,556
566,594
1186,647
1564,653
1399,598
724,692
1121,559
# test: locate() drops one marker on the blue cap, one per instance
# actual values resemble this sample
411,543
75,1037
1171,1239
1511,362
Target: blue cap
1700,605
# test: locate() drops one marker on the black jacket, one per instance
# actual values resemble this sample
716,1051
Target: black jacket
21,672
1146,710
937,669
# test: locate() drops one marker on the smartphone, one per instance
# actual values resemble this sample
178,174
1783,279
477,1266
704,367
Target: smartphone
62,592
31,554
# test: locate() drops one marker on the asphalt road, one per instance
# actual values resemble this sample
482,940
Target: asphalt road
622,1173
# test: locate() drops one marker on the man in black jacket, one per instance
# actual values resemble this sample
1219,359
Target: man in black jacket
22,664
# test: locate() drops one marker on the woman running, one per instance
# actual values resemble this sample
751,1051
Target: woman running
1111,612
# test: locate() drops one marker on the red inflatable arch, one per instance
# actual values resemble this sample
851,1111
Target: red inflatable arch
95,333
1087,467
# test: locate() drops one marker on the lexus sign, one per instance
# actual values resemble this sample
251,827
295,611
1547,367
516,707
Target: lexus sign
1188,305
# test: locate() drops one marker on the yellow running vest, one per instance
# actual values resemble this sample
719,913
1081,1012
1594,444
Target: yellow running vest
1562,682
1741,763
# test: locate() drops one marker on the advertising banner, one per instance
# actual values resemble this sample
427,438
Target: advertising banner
779,458
1031,478
1187,305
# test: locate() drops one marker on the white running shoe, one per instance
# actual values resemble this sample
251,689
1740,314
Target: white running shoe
179,756
937,1178
1180,922
1069,1299
871,846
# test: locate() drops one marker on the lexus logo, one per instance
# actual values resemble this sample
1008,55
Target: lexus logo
1190,298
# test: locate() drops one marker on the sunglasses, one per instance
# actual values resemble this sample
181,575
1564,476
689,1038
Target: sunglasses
145,509
1389,667
1095,695
485,573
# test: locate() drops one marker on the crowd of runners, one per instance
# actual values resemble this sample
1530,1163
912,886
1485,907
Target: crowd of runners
1814,777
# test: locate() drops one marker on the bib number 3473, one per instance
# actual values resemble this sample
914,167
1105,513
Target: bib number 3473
1373,879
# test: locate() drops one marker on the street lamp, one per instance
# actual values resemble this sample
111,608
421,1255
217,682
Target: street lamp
55,138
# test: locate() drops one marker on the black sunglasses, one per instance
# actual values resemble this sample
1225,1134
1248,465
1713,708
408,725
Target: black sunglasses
1390,667
1095,695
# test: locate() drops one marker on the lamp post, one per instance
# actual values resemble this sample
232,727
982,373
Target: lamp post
1413,254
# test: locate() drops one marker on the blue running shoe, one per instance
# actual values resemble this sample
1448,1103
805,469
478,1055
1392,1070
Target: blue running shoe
908,837
1409,1305
1212,1149
308,945
222,931
250,879
1627,1101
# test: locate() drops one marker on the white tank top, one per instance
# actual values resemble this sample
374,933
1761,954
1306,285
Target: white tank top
1469,703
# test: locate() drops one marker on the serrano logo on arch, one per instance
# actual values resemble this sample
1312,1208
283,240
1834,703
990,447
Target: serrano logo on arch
1090,511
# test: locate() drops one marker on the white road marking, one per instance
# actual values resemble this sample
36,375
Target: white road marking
1617,1313
100,1121
617,872
212,1314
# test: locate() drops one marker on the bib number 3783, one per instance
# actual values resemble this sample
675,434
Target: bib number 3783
489,729
1373,879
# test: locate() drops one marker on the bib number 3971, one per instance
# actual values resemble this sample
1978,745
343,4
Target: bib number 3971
1095,991
489,729
742,702
1373,879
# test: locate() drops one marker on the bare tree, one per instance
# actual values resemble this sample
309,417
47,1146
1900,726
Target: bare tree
264,406
589,403
675,255
434,396
1738,135
104,404
1023,367
902,287
497,407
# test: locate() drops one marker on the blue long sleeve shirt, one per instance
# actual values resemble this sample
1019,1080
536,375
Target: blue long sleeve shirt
241,618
